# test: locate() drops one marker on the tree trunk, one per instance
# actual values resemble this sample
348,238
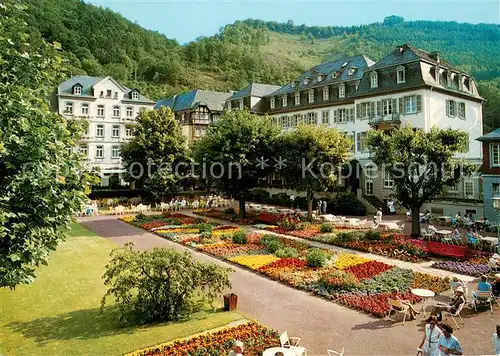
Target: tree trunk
310,197
415,220
242,207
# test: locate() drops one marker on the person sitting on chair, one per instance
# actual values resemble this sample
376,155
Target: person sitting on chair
470,237
452,308
413,312
495,288
494,262
482,286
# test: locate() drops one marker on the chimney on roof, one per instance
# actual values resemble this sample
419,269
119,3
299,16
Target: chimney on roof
435,56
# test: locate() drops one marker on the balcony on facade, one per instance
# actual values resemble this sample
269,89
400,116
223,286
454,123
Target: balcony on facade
385,122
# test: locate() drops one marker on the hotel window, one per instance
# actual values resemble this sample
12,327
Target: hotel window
326,93
448,78
116,131
387,107
99,131
374,80
461,110
215,118
115,152
241,104
273,103
410,104
361,142
108,93
469,188
454,188
342,116
297,98
325,117
341,91
295,120
77,90
85,109
68,108
311,96
128,131
306,81
312,118
451,108
400,74
388,181
116,111
100,110
496,189
293,84
351,71
130,111
84,150
284,101
364,110
135,95
99,152
495,155
353,141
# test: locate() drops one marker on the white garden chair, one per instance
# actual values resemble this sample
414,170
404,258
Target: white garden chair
398,307
334,353
120,210
292,344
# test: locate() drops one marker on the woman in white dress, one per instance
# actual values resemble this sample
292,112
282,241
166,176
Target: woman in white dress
429,344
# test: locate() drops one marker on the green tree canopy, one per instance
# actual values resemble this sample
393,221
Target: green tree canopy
422,164
161,284
158,143
237,151
41,182
312,155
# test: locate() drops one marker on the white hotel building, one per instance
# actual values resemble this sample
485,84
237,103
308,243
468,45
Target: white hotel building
356,95
110,109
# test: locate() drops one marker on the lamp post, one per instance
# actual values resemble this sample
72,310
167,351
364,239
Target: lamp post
496,205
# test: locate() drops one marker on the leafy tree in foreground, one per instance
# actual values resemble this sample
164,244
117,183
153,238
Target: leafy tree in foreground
158,144
41,184
161,284
312,155
239,147
422,164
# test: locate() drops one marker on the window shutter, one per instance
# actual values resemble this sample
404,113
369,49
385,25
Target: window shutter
372,108
419,103
448,112
379,108
401,105
335,116
358,142
358,111
395,105
455,108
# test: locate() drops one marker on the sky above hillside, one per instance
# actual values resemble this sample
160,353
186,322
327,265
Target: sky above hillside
186,20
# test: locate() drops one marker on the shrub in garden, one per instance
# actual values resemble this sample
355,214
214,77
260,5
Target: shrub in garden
259,195
316,258
275,245
240,237
338,279
287,252
372,235
326,227
229,211
345,237
281,199
145,293
205,227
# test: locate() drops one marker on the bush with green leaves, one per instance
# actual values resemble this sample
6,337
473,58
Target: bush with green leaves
161,284
240,237
229,211
287,252
272,243
372,235
204,227
326,227
316,258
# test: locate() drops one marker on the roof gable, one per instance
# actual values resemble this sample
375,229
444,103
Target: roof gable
490,137
212,99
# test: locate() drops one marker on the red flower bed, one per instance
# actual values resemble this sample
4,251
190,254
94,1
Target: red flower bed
223,250
191,239
152,224
226,227
254,237
368,269
375,304
284,263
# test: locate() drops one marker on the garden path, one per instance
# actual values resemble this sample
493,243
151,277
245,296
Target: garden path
321,324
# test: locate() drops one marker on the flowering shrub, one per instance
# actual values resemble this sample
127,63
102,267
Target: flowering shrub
368,269
376,304
338,279
254,262
128,218
434,283
285,263
254,336
463,268
345,260
254,237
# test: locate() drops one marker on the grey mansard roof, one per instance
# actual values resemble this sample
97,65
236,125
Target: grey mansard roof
214,100
256,90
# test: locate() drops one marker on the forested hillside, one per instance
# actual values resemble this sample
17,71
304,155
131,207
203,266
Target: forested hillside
97,41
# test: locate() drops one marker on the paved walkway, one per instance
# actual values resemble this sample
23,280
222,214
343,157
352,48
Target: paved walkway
321,324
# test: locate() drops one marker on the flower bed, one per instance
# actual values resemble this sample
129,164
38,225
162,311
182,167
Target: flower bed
254,336
219,214
350,279
467,268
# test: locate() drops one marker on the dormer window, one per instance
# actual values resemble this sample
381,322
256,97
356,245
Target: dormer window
374,80
306,81
297,98
342,91
436,73
294,83
320,77
335,74
284,101
345,64
326,93
351,71
460,82
448,78
135,95
400,75
77,90
311,96
357,85
273,102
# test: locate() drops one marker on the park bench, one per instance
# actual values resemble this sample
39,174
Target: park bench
447,250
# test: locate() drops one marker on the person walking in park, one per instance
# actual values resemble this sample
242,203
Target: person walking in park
379,215
429,344
318,208
449,344
325,204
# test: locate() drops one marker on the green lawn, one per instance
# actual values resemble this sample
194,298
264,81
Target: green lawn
59,313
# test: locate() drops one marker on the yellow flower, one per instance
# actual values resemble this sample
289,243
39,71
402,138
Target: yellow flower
216,233
178,231
345,260
128,218
254,262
